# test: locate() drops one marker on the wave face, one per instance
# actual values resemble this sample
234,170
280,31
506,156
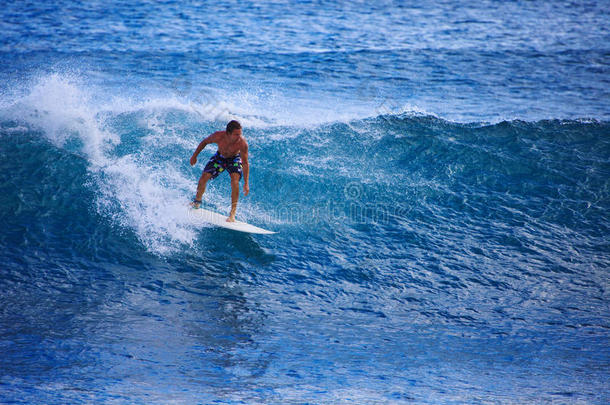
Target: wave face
437,175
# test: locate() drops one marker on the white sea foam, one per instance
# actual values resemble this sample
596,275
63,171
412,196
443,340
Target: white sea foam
150,198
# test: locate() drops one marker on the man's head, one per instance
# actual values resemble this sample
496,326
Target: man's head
234,129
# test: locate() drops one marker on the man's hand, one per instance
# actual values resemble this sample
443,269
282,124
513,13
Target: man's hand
246,188
193,160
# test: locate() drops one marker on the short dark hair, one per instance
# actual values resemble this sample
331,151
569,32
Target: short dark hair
232,126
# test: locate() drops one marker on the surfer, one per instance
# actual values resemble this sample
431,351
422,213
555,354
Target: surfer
232,148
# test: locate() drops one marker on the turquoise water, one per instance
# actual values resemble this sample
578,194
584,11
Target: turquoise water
437,174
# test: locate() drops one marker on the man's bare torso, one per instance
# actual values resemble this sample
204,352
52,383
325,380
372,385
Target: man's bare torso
228,147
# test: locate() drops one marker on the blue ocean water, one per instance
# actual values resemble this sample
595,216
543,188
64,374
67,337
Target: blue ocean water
437,172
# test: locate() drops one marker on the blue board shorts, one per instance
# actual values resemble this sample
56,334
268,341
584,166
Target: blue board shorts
218,164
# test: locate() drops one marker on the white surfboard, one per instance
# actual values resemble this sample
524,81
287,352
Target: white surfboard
221,220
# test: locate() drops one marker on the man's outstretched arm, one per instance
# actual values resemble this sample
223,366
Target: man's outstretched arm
210,139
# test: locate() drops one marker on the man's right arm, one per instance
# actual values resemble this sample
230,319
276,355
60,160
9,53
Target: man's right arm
210,139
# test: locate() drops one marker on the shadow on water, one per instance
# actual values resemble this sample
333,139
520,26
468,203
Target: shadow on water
237,245
220,319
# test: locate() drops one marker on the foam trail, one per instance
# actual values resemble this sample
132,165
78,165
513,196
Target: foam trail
151,201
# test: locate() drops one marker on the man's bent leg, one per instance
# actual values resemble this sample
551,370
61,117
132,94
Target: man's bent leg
201,185
234,195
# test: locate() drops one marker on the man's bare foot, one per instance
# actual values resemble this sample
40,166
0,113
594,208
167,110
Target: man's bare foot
231,218
195,204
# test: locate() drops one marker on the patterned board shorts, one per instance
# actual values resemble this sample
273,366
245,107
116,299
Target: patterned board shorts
218,163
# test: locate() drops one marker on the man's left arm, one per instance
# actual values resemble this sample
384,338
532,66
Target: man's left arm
246,168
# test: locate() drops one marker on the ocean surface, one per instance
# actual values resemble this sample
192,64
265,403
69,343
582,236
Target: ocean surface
438,173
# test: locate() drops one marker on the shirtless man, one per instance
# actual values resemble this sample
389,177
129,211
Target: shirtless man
232,148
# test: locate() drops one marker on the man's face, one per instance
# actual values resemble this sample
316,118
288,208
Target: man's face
233,136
